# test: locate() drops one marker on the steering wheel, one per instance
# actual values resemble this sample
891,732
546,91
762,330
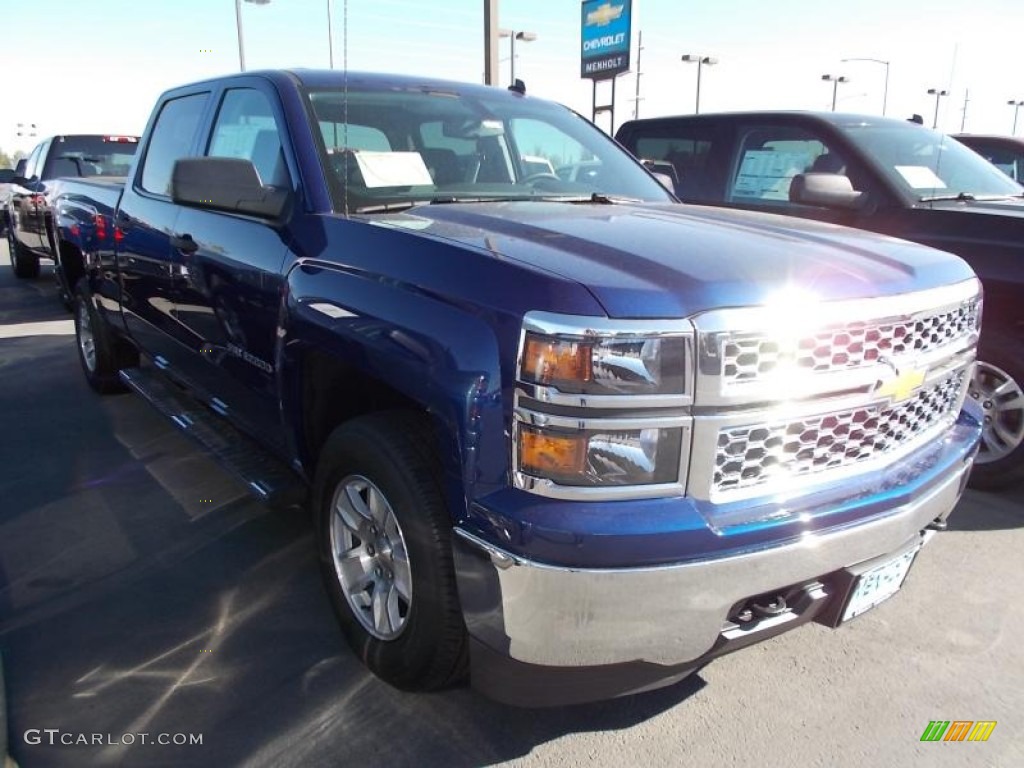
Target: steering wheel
539,176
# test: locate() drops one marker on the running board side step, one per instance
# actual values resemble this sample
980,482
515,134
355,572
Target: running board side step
265,476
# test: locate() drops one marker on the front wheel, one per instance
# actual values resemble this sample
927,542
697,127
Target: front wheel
997,388
384,541
24,264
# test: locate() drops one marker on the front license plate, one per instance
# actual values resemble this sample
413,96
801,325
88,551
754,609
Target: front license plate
878,584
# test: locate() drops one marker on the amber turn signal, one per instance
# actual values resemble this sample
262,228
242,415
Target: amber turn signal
551,455
548,360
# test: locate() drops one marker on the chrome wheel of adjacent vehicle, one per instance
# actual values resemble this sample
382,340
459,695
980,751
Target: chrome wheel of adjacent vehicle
1002,401
370,557
86,341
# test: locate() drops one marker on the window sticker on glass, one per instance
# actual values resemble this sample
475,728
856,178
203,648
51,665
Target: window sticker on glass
392,169
920,177
765,174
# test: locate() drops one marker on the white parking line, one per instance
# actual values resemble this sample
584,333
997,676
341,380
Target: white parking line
48,328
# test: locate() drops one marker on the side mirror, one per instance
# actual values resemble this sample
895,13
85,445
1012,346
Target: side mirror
6,175
828,190
226,184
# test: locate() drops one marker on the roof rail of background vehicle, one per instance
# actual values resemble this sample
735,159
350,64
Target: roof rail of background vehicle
839,118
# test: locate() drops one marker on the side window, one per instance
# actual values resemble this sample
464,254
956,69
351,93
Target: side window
545,149
171,139
691,159
32,164
246,129
770,157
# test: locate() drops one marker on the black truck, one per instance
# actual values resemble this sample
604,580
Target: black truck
27,212
890,176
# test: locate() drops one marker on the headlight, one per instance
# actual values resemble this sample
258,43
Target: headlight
606,366
601,406
600,457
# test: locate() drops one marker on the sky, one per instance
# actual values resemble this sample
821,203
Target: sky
98,66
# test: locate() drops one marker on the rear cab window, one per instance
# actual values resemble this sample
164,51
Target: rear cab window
698,153
80,156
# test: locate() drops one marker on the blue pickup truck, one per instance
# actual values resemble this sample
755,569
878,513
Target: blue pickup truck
557,432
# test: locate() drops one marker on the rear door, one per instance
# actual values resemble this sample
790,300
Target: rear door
229,284
147,259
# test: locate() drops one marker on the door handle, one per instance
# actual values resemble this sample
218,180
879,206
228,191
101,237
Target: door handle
184,243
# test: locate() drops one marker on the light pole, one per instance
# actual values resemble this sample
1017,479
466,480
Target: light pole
938,94
330,34
700,61
885,93
512,35
1016,104
238,24
835,80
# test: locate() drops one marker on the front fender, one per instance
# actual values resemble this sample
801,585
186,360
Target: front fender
438,355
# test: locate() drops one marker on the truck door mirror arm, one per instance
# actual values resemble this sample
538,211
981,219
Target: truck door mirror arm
227,184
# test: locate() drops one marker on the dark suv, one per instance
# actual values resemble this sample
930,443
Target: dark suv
891,176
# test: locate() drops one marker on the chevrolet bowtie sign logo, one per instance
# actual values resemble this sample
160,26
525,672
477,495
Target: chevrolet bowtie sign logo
902,387
604,15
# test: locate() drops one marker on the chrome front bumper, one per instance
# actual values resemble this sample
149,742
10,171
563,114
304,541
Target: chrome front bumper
669,615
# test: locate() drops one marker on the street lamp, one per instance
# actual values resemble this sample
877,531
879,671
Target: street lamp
238,24
700,61
835,80
885,93
938,94
1016,104
512,35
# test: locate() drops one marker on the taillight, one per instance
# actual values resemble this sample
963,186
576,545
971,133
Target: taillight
101,226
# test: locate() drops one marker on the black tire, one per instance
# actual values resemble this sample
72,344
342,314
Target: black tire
1000,461
394,452
24,264
107,355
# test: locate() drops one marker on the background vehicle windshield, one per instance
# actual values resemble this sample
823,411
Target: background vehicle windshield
927,163
400,146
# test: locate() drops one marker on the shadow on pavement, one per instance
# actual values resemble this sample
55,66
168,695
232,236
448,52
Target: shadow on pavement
984,511
236,641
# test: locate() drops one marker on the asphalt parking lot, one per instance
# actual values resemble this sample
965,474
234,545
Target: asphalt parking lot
141,591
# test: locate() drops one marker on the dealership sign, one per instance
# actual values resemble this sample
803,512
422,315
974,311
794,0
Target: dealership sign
606,36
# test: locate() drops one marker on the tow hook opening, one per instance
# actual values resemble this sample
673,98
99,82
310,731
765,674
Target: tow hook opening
763,607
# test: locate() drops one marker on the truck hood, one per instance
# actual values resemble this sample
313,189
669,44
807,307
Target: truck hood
671,260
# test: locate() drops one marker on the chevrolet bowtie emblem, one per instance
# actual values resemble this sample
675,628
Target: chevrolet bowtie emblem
604,15
901,387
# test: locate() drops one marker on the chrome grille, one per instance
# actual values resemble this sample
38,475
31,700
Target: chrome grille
752,455
749,357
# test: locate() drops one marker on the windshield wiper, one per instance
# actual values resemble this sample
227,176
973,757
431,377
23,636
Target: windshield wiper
965,197
404,205
601,198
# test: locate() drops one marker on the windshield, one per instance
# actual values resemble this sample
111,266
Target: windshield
927,164
91,156
390,148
